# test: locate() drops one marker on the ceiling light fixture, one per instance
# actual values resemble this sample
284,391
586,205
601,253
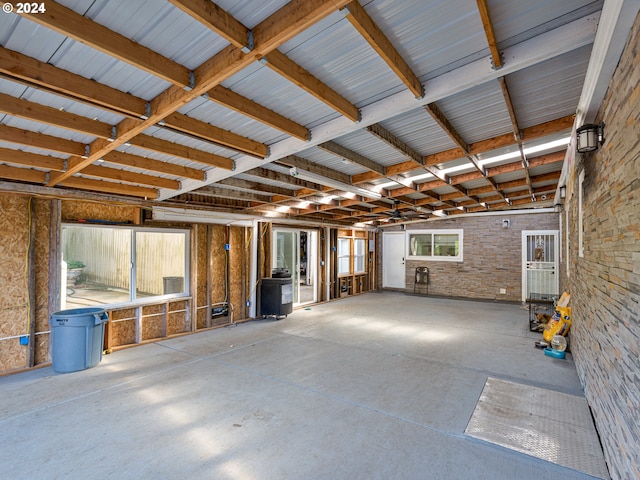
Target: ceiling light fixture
327,182
589,137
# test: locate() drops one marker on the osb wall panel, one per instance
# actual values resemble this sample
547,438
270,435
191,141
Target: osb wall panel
200,296
42,348
176,318
123,332
74,211
238,271
12,355
14,225
219,255
152,319
43,227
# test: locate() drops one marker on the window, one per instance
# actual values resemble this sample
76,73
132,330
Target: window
344,256
359,255
112,265
443,245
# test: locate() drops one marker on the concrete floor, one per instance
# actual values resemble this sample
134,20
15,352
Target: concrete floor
377,386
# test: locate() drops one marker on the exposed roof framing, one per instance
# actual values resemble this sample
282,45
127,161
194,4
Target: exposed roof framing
358,97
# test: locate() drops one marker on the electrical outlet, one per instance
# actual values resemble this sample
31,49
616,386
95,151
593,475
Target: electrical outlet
503,291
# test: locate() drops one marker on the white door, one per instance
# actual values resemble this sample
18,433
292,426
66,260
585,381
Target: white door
393,271
540,263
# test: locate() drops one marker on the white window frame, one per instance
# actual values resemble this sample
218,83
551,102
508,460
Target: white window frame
362,256
133,230
342,255
433,257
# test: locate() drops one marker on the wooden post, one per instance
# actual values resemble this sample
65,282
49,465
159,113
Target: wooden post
31,272
56,287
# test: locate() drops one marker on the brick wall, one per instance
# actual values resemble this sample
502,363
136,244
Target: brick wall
605,282
492,256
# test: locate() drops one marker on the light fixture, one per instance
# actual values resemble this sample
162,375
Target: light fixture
563,191
589,137
328,182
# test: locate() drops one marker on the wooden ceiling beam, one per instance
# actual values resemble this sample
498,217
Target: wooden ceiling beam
303,163
364,177
483,146
283,178
82,29
40,140
229,99
22,174
281,64
215,191
177,150
53,116
268,35
509,103
109,187
394,142
351,156
365,25
142,163
488,30
256,186
217,135
18,157
46,76
442,121
130,177
217,19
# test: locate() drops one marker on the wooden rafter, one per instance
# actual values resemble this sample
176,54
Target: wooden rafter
440,118
303,163
40,140
249,108
281,64
217,19
27,159
110,187
130,177
488,30
53,116
82,29
365,25
351,156
142,163
268,35
159,145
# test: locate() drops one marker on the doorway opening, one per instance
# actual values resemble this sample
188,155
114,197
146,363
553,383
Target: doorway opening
296,251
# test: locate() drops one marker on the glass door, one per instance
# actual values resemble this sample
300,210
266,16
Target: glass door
295,251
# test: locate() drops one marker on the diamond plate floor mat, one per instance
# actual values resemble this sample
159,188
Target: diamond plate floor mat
542,423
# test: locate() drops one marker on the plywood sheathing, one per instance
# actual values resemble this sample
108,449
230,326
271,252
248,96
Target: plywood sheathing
73,211
123,325
236,271
200,295
42,254
153,318
219,265
176,316
14,310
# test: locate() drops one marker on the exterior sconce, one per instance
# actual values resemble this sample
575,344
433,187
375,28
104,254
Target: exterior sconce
589,137
506,223
563,192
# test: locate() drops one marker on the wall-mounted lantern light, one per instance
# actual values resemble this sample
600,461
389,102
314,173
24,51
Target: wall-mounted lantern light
563,191
589,137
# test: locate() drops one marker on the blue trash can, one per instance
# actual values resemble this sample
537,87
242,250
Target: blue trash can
77,336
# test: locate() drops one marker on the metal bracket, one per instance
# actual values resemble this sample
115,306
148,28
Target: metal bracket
192,82
233,165
65,165
114,133
263,60
147,111
87,151
493,66
250,43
